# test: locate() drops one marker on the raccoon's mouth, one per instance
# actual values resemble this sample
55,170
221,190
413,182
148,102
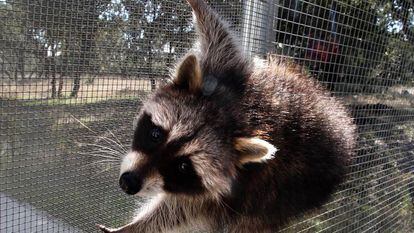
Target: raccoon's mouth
150,188
148,192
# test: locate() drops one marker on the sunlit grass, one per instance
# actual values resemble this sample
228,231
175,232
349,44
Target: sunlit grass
39,92
78,101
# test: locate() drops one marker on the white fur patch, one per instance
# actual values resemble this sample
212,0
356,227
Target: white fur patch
129,161
149,207
151,186
271,150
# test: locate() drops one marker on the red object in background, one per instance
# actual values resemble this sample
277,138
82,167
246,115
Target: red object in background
322,49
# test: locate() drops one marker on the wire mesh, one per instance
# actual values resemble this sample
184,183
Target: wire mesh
73,74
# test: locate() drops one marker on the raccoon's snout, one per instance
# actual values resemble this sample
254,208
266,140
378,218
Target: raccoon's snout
130,183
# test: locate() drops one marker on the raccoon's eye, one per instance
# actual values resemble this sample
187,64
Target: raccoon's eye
183,167
156,134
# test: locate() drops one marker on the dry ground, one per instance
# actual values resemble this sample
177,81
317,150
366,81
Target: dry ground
92,90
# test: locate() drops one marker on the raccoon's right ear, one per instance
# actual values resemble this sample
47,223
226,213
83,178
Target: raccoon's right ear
188,75
254,150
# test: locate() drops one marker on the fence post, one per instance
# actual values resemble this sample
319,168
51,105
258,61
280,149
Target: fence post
257,27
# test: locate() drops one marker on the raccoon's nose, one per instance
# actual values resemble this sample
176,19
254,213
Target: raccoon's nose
130,183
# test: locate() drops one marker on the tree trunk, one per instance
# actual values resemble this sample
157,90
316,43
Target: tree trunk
8,74
52,68
16,74
21,62
76,86
150,59
53,83
31,74
85,34
60,88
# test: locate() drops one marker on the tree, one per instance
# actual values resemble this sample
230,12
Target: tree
15,42
337,40
71,25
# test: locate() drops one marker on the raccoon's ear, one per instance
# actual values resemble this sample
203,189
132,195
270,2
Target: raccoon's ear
219,51
188,75
254,150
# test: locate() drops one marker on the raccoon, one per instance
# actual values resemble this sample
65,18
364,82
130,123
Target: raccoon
233,144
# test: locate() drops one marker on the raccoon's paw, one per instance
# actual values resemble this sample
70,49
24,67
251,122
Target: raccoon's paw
111,230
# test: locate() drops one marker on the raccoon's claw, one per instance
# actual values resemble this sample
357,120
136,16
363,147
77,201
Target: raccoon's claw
107,230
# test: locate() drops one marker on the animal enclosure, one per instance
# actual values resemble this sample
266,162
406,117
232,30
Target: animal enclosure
73,75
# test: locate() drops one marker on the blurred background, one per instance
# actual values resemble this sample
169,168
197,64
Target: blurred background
74,72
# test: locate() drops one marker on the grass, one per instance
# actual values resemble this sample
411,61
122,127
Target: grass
396,97
42,164
39,134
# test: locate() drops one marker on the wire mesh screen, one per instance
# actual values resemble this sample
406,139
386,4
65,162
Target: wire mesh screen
73,74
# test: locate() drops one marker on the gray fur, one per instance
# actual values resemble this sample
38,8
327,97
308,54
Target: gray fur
239,109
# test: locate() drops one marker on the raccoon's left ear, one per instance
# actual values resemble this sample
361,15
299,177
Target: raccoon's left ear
189,74
254,150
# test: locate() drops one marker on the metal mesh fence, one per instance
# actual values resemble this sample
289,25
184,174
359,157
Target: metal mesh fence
73,74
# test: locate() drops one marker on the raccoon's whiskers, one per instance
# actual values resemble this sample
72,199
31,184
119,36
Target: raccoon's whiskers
111,142
114,154
105,148
82,124
101,171
103,161
92,154
108,140
119,144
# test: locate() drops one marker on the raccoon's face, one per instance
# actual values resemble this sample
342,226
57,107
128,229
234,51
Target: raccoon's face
176,150
184,144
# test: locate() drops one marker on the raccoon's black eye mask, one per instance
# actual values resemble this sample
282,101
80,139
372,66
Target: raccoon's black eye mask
148,136
180,176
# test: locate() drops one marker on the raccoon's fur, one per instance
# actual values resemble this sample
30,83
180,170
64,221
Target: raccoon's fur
232,144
